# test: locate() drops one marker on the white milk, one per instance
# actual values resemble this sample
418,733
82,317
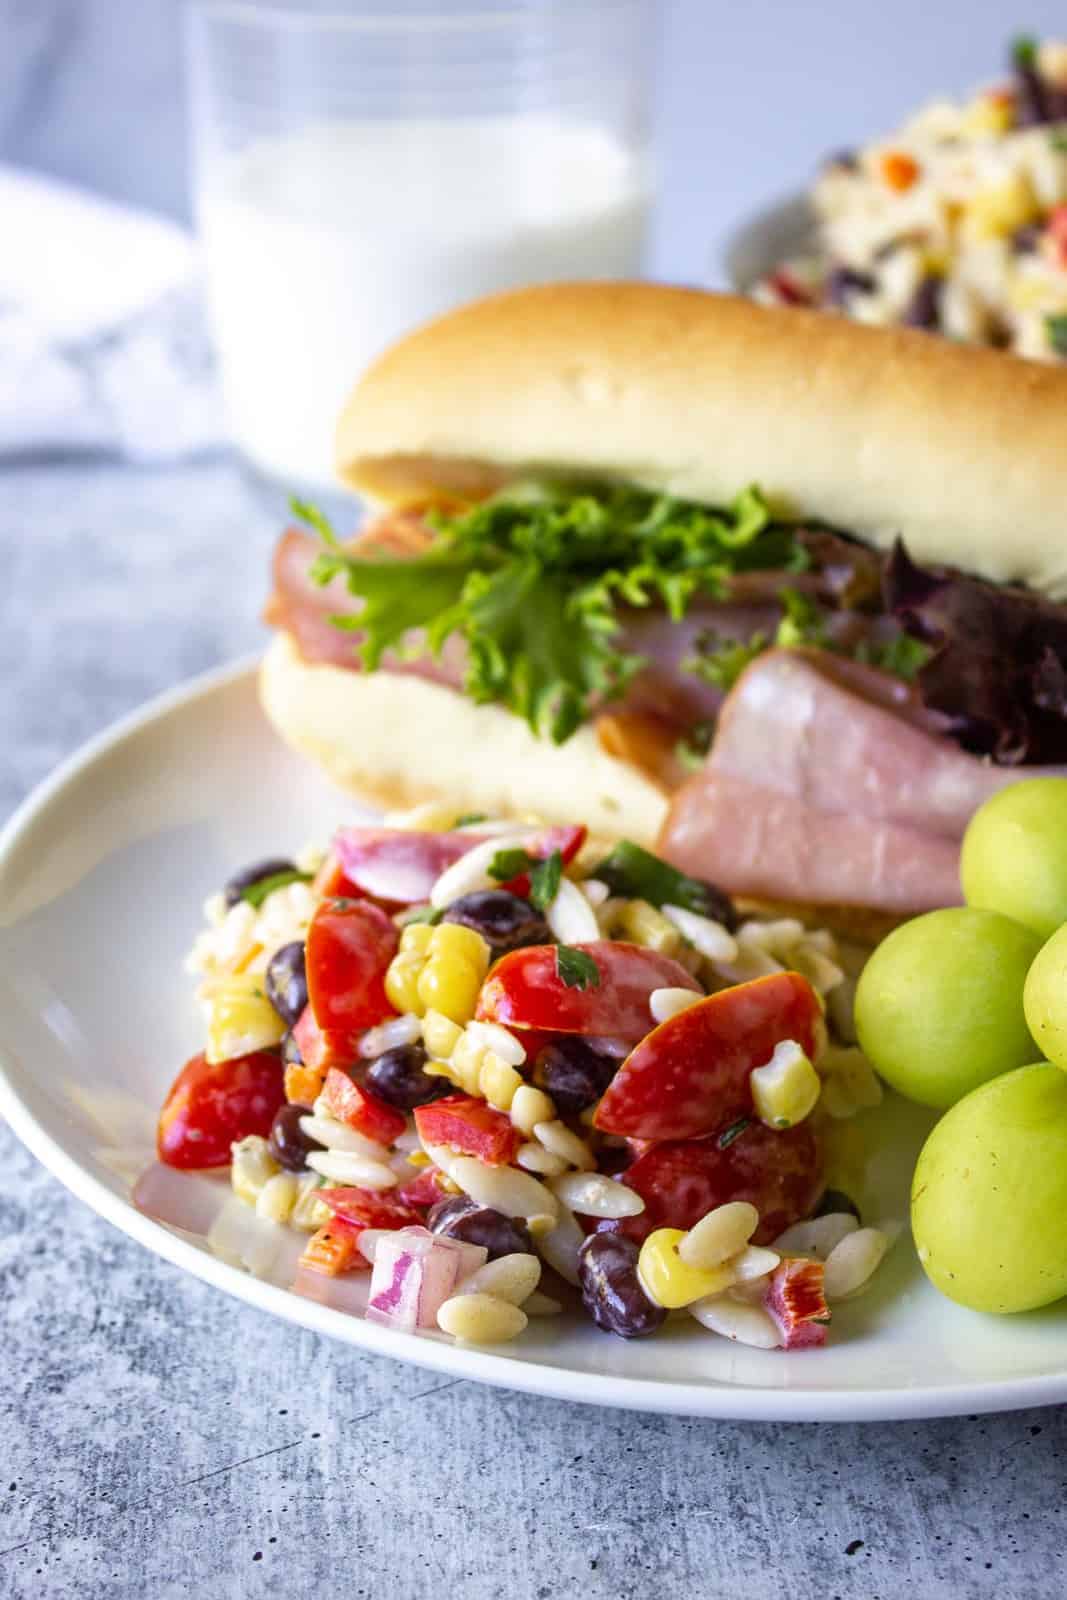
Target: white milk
324,248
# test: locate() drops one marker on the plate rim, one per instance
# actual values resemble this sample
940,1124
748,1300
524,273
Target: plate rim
711,1399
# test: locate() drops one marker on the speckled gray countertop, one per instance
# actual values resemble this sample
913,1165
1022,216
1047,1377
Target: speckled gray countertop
158,1439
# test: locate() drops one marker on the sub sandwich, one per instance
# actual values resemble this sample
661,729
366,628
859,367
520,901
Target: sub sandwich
780,596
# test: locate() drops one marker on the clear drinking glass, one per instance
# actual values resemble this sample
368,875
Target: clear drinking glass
359,168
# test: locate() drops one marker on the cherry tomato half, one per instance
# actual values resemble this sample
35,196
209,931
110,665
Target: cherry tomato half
525,990
350,944
691,1074
211,1104
780,1173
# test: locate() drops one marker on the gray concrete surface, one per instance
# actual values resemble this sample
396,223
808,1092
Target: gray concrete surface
158,1440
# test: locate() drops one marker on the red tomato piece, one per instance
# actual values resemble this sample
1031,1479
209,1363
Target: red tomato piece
330,882
400,865
359,1109
524,990
211,1104
567,840
469,1126
779,1173
350,944
796,1301
363,1208
691,1074
1057,227
323,1048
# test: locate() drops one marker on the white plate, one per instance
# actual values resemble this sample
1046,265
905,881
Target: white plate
101,877
784,230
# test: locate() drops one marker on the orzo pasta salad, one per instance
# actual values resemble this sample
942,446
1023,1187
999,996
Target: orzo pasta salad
957,222
491,1062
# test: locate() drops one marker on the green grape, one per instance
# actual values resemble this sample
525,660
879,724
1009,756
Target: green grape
939,1006
1014,855
1045,999
990,1194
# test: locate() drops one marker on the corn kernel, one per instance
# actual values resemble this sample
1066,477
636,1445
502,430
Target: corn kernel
453,939
450,983
415,939
498,1082
988,114
786,1089
468,1054
529,1107
277,1197
240,1019
419,1158
666,1278
643,924
251,1166
402,983
440,1034
308,1212
1001,209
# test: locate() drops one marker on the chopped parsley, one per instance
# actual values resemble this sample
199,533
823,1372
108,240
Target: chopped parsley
576,968
545,881
257,892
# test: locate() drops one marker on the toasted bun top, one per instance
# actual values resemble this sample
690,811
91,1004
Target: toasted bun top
880,432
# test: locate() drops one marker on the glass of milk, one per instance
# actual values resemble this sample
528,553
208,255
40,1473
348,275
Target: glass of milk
362,167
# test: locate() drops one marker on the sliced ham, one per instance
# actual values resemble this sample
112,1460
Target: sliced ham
664,691
827,783
754,840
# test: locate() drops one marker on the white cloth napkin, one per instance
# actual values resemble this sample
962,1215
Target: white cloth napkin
103,342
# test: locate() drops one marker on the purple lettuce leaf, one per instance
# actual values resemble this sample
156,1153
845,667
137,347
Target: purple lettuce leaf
999,665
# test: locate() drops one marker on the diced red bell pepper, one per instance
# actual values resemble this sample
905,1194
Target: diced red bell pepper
692,1073
525,990
359,1109
334,1249
364,1208
424,1190
211,1104
469,1126
1057,228
789,289
796,1302
780,1173
350,944
567,840
320,1048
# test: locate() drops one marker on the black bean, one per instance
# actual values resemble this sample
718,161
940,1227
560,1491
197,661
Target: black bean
848,159
236,886
924,309
287,984
611,1290
843,282
835,1201
575,1071
397,1077
1031,96
505,921
291,1051
462,1218
1025,239
289,1144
